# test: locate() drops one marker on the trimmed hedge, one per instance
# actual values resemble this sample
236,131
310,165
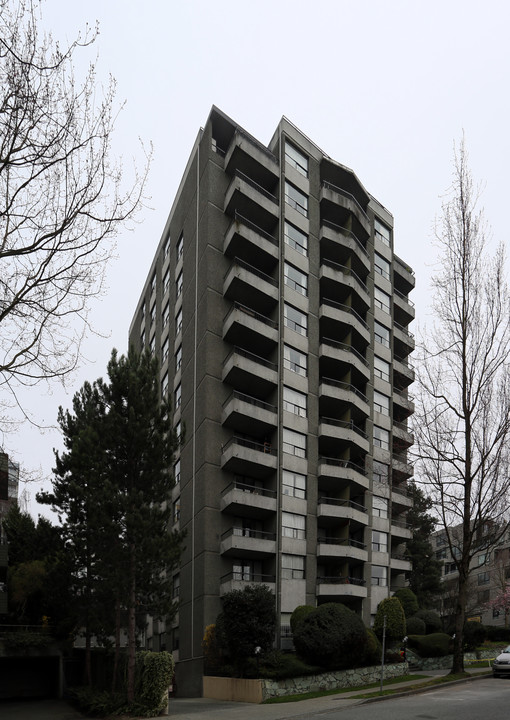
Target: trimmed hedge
408,600
433,645
431,619
299,615
475,634
416,626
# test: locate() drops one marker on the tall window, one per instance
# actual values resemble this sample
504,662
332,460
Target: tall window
166,315
382,232
382,300
166,281
293,567
153,314
177,396
295,360
294,443
296,239
381,403
153,283
176,584
294,401
380,506
177,472
379,541
293,526
379,575
296,199
294,484
296,158
176,510
382,334
381,368
166,246
381,438
164,385
295,319
178,285
178,358
164,349
381,472
180,246
152,345
178,322
296,279
382,266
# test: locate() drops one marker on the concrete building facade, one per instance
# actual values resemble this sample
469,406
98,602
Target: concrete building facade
280,315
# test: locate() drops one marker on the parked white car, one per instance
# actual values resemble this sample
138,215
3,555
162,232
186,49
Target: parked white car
501,665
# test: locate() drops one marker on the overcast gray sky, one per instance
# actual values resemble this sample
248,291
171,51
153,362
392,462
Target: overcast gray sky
382,87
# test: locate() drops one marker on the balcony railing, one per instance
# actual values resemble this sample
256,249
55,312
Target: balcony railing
247,577
345,271
249,399
346,348
251,356
404,330
253,226
345,386
346,194
403,297
337,462
253,270
343,580
255,186
342,503
251,313
345,308
250,444
347,233
251,489
346,424
403,265
249,533
343,542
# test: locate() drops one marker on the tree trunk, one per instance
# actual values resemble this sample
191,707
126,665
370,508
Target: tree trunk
131,629
117,646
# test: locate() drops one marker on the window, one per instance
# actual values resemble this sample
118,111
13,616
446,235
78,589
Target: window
178,322
379,575
381,438
296,158
296,199
381,472
176,584
294,484
382,300
166,315
483,559
293,567
296,279
153,284
178,358
294,401
379,541
382,233
142,339
295,319
166,281
176,510
164,349
294,443
166,247
294,360
441,554
243,570
382,266
177,396
178,430
178,285
177,472
296,239
382,334
152,345
142,314
484,578
381,403
153,314
380,506
381,368
293,526
484,596
450,568
180,247
164,385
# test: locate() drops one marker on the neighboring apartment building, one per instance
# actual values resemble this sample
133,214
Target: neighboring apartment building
280,314
489,576
9,478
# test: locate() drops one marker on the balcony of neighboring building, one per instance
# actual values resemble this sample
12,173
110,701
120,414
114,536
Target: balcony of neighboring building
238,580
340,206
246,283
400,527
246,197
399,563
402,434
403,340
341,548
403,372
337,394
343,247
338,319
247,328
245,499
335,474
403,276
341,588
252,243
246,154
245,542
246,371
341,283
337,358
403,403
243,456
403,308
248,415
332,510
401,467
346,433
400,497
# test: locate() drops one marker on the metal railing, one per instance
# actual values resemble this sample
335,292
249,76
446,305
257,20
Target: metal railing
250,400
253,270
346,194
249,533
346,348
250,489
345,271
344,424
342,580
345,386
265,448
252,313
343,542
248,180
341,503
345,308
238,218
348,464
250,356
346,233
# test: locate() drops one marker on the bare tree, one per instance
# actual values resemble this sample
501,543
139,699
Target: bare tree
462,423
62,197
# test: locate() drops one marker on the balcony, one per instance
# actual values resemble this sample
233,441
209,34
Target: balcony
245,500
248,415
246,371
337,204
247,543
333,431
400,529
403,340
338,319
403,276
341,587
246,240
341,548
399,563
336,474
246,197
400,466
404,403
335,394
244,327
341,282
249,284
251,157
240,580
337,358
248,457
402,434
403,373
330,510
344,247
403,308
400,497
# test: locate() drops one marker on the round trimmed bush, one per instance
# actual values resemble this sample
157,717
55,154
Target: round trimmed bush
299,614
434,645
432,621
416,626
374,649
332,636
408,600
395,619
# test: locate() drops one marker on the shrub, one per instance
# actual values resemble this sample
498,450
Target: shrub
434,645
416,626
332,636
299,614
395,619
374,650
278,665
498,633
408,600
474,635
432,621
154,671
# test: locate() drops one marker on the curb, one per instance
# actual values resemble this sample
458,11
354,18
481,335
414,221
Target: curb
417,691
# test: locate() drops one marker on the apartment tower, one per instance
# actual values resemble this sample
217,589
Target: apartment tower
280,315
